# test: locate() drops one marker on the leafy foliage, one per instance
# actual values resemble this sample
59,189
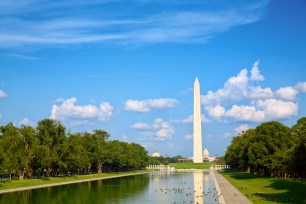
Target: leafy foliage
271,149
48,150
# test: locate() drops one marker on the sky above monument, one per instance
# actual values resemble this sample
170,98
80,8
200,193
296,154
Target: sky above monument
128,67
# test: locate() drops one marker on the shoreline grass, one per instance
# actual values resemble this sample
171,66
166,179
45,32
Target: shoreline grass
266,190
205,165
13,184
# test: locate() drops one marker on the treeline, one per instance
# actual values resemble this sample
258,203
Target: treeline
271,149
164,160
48,150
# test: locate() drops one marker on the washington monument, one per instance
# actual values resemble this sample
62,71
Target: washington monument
197,130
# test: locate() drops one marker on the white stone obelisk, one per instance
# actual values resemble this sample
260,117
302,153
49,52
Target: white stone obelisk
197,130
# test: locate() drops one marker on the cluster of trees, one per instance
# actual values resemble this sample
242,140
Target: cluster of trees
48,150
271,149
164,160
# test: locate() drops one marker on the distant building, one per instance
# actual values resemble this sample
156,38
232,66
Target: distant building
155,154
215,158
206,155
207,158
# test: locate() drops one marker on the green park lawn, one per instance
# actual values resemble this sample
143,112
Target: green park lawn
191,165
260,189
7,184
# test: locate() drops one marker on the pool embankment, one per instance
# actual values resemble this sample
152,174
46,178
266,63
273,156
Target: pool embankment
72,181
227,193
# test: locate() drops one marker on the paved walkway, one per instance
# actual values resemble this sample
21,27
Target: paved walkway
230,194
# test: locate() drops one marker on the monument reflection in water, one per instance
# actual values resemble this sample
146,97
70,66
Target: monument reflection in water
157,187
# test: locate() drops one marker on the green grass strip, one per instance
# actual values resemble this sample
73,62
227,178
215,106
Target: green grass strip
7,184
260,189
206,165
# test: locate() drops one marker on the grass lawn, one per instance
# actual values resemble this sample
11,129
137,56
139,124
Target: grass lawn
191,165
260,189
50,180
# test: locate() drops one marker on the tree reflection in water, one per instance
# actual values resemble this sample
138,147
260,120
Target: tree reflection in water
157,187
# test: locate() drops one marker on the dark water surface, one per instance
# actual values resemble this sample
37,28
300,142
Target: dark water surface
157,187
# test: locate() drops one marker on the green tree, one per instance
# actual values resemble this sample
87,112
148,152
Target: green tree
267,150
52,136
77,157
237,153
14,151
9,161
271,143
95,144
299,158
46,150
31,143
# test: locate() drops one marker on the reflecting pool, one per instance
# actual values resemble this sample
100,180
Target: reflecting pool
156,187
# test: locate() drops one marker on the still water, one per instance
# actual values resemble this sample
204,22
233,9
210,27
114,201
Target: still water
157,187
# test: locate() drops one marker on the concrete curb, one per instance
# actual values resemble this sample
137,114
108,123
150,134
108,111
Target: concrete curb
230,194
219,193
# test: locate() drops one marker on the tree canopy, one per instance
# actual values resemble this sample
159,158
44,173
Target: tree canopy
271,149
48,150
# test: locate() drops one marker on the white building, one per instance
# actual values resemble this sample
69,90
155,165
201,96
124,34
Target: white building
206,156
155,154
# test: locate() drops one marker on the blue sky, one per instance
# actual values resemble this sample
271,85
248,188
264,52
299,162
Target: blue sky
129,67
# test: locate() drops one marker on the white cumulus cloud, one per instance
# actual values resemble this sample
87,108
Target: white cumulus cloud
136,106
26,122
239,87
161,130
241,128
141,126
246,113
286,93
164,129
277,109
242,100
255,73
149,104
216,111
105,111
68,110
235,88
2,94
301,87
260,111
256,92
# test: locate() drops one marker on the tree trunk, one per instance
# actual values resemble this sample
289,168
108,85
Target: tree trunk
89,167
100,168
48,172
30,173
21,177
21,174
